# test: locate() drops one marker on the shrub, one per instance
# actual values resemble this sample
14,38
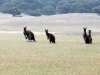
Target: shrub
48,10
35,12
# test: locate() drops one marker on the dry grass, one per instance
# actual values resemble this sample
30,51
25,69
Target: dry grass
69,56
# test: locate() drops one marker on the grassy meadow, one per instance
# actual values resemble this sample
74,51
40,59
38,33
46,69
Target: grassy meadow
69,56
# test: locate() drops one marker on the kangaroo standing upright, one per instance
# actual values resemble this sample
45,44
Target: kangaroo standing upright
50,36
90,37
85,36
28,34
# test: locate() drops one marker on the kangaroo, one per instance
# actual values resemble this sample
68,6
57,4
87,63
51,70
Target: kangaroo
50,36
28,34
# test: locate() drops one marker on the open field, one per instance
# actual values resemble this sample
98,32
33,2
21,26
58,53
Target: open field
69,56
71,24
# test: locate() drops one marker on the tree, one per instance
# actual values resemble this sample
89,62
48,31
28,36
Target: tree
29,1
80,8
14,11
96,10
25,7
1,1
49,7
48,10
37,4
63,7
83,8
36,12
94,3
5,6
51,3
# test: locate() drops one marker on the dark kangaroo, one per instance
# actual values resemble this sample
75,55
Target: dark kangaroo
90,37
28,34
50,36
85,36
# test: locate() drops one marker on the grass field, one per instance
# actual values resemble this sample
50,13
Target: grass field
69,56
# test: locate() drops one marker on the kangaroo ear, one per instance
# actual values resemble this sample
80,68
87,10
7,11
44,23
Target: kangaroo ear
45,30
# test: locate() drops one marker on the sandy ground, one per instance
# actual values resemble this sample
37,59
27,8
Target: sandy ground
69,24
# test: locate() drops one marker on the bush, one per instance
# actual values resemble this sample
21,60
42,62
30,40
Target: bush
48,10
35,13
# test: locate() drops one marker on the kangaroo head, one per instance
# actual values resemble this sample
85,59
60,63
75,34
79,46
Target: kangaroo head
24,28
84,29
46,31
89,31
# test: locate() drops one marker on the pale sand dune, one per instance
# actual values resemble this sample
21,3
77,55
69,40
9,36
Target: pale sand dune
60,24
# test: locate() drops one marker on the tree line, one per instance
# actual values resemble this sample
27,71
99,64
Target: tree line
49,7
